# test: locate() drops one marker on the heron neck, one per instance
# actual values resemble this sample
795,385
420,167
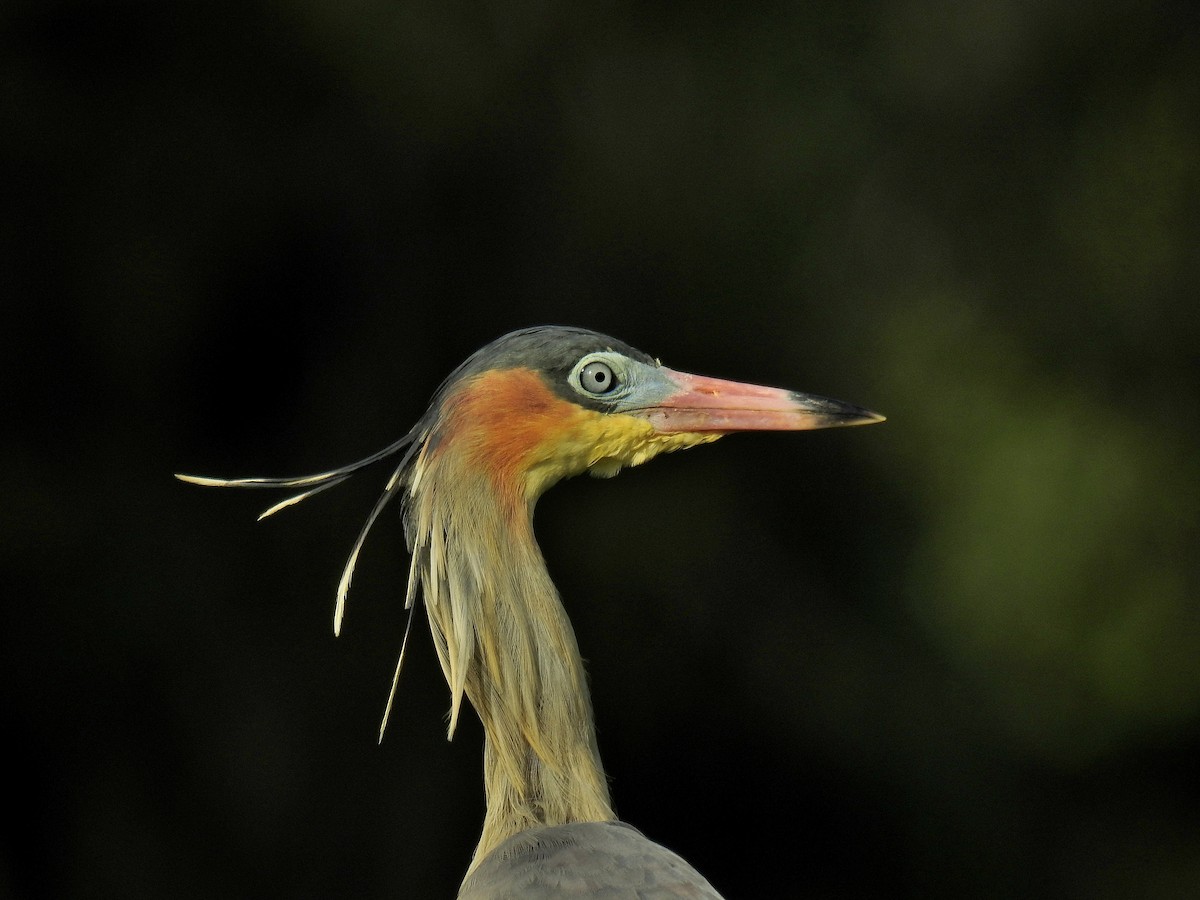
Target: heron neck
504,639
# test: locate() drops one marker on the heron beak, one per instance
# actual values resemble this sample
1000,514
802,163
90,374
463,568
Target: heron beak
703,404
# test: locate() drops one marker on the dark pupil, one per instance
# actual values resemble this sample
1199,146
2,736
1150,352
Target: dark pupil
597,378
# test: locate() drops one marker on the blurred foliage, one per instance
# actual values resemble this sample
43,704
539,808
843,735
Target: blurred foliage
960,652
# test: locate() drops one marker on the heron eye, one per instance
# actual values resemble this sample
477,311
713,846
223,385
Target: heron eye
597,378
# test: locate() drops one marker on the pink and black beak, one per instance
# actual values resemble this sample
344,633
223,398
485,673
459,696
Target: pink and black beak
698,403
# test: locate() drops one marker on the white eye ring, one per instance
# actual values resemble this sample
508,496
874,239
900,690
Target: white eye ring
597,377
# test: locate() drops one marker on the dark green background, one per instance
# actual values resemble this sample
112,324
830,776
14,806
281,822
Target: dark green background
955,655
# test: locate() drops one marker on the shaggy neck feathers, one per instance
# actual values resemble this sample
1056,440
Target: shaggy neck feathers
500,630
502,636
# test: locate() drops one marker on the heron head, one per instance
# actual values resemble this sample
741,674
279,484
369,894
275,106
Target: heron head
547,403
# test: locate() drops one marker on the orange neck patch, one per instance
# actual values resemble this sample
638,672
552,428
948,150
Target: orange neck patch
504,419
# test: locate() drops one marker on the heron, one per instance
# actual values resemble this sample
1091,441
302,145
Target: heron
525,411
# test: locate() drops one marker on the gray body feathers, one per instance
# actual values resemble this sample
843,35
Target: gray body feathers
602,860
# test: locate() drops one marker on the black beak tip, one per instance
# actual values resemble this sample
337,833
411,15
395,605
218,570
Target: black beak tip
837,412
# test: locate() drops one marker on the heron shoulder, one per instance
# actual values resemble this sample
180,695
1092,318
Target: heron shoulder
584,859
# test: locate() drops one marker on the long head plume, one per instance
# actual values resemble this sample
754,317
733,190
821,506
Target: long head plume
322,481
